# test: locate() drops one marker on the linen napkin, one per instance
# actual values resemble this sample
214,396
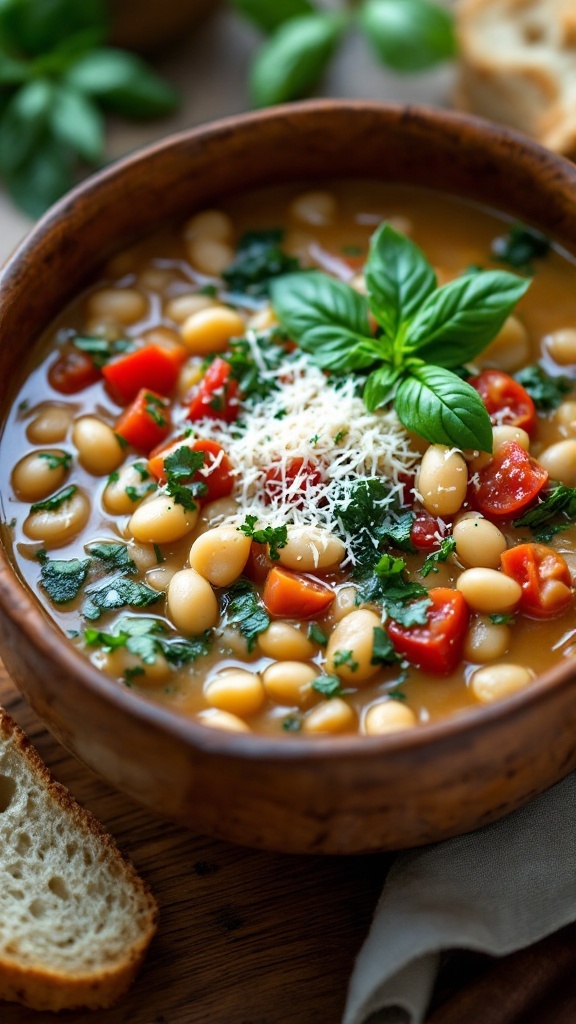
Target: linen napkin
493,891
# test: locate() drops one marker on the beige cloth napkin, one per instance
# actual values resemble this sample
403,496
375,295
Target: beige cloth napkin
493,891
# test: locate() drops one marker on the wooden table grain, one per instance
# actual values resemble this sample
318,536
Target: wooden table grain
245,937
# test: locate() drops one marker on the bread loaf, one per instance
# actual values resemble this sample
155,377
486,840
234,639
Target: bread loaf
518,66
75,918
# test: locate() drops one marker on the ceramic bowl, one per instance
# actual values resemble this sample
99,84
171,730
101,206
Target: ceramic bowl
330,795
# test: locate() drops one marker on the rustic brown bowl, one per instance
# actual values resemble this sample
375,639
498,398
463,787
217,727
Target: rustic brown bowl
150,26
332,795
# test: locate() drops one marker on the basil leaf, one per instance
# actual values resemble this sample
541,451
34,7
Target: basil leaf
457,321
117,592
76,122
409,36
38,27
115,556
269,16
443,409
290,63
123,83
258,259
519,247
398,279
23,122
245,611
62,580
383,652
12,70
545,391
327,318
540,519
42,178
380,386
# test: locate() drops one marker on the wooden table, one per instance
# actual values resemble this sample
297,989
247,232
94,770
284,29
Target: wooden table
244,938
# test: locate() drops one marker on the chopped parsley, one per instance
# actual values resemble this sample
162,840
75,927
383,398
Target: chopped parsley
275,536
345,658
405,602
55,461
259,258
101,350
148,637
316,635
371,518
328,686
520,247
180,467
62,579
55,501
130,674
558,504
447,546
155,407
245,612
114,556
396,694
383,652
159,556
136,493
292,723
545,391
117,592
501,619
252,358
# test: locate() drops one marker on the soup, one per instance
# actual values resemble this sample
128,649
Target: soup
251,490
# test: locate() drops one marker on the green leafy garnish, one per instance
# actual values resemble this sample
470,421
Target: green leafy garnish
396,694
500,619
317,635
62,580
405,602
561,502
148,637
101,350
155,407
117,592
245,611
291,61
520,247
275,536
328,686
370,519
114,556
409,36
180,467
545,391
424,332
54,461
345,658
57,78
159,556
247,370
292,723
258,259
55,501
383,652
447,546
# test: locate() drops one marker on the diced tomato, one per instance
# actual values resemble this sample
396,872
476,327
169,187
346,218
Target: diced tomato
259,563
145,423
407,480
544,577
505,399
291,480
216,472
217,395
425,531
294,595
149,367
436,647
73,371
508,484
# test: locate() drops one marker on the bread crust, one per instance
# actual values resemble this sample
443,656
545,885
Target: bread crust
39,986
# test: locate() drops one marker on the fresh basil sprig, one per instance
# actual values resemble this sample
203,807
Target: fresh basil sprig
424,332
56,76
407,36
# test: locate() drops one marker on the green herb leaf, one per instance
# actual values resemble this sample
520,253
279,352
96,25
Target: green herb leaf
457,321
23,123
292,723
520,247
248,357
328,686
446,548
545,391
117,592
38,28
62,580
114,556
345,658
443,409
55,501
499,619
147,637
54,461
245,612
381,386
404,601
292,60
317,635
43,176
328,319
180,466
398,278
540,519
269,16
100,349
77,123
409,36
122,82
258,260
383,652
275,536
369,519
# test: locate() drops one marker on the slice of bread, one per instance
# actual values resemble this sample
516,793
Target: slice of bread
75,918
518,66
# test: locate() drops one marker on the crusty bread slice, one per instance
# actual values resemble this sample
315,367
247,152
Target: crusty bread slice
518,66
75,918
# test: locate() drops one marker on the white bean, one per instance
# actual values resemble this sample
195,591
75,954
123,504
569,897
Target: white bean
562,346
290,683
192,604
161,520
285,642
181,307
39,474
488,590
209,255
478,542
507,432
61,524
344,603
485,641
311,549
222,720
509,350
442,480
237,691
559,461
99,449
212,514
210,330
50,425
388,716
120,495
209,224
219,555
331,716
122,305
316,208
351,647
494,682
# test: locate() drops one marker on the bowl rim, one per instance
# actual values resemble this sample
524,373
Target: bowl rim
44,634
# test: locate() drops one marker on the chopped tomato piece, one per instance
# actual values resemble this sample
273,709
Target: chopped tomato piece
508,484
291,480
216,472
505,399
426,530
294,595
73,371
149,367
407,481
217,395
146,422
436,647
544,577
259,563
